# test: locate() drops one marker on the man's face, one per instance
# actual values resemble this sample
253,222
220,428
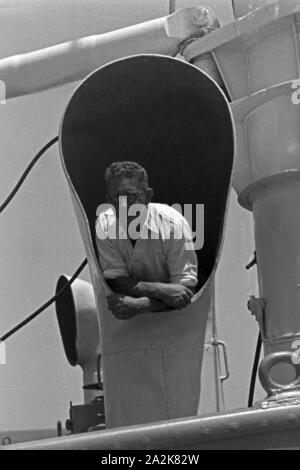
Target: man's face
126,190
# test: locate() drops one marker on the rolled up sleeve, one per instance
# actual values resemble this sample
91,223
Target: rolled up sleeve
181,257
110,258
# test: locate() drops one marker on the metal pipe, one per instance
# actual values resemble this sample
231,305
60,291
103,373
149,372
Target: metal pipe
267,179
244,429
72,61
172,6
220,399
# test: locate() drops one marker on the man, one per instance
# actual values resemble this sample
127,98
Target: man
148,261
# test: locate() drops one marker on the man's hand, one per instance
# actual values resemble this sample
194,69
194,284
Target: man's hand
124,307
176,295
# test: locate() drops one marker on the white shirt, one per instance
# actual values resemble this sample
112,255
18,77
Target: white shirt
162,253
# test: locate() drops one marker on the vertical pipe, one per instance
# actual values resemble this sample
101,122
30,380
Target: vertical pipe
220,400
277,234
172,6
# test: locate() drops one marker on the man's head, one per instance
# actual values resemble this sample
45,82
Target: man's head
127,179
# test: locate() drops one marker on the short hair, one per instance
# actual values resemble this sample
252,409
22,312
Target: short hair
126,169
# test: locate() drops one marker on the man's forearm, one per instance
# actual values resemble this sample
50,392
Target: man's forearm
127,286
150,289
123,285
125,307
149,305
172,295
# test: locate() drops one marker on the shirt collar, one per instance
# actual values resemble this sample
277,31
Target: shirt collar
152,221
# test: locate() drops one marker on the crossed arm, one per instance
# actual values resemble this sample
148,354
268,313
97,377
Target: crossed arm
132,298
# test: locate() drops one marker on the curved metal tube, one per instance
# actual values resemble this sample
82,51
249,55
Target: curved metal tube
72,61
111,115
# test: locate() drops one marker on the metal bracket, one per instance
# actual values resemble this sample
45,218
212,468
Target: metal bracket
279,394
257,308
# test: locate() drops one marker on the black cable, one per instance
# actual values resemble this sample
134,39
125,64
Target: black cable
28,169
254,371
233,8
2,207
45,305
